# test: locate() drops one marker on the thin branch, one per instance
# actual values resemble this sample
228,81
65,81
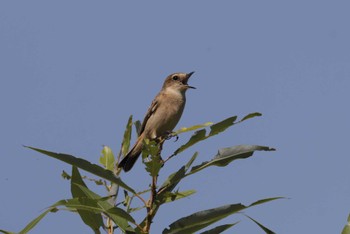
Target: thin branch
142,200
171,156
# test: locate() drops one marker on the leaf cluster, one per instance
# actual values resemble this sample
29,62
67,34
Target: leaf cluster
114,211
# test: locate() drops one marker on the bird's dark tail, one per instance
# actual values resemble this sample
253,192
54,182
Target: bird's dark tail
129,160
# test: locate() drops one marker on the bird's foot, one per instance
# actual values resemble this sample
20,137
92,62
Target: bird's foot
169,135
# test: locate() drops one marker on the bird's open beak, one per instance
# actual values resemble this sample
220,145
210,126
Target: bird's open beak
188,76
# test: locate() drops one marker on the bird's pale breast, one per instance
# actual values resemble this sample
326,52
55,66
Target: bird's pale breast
167,115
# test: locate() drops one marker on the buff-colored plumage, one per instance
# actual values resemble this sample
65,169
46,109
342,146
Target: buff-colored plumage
162,116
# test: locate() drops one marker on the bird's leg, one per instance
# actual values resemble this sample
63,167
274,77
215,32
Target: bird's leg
160,141
160,150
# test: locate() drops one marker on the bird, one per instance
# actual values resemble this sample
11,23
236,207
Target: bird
162,116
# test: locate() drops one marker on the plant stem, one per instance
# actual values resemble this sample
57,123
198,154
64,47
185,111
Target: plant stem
150,205
110,226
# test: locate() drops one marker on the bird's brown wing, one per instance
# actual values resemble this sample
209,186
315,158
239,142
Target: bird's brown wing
150,111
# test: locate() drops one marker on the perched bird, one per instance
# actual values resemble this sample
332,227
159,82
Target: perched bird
162,116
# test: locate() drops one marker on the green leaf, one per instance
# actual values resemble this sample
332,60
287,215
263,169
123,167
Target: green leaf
150,148
152,160
251,115
222,126
87,166
127,136
170,197
119,216
138,127
346,229
202,219
214,130
189,164
170,184
192,128
265,229
93,220
262,201
195,138
35,221
107,158
226,155
6,232
82,203
219,229
105,205
172,181
153,166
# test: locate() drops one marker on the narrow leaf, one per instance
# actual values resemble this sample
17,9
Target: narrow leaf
192,128
219,229
35,221
85,165
259,202
196,137
214,130
6,232
93,220
138,127
127,136
265,229
172,181
105,205
202,219
83,203
119,216
226,155
120,213
170,197
222,126
251,115
187,166
346,229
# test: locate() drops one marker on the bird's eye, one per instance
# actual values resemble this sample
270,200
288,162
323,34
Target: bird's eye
175,77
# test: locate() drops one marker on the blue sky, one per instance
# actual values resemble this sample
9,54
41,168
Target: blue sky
73,71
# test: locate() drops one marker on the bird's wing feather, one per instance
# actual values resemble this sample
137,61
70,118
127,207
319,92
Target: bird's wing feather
151,110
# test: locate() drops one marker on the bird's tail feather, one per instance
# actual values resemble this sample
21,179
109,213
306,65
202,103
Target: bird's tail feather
129,160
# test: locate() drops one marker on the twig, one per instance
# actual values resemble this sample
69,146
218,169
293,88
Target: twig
151,210
173,155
